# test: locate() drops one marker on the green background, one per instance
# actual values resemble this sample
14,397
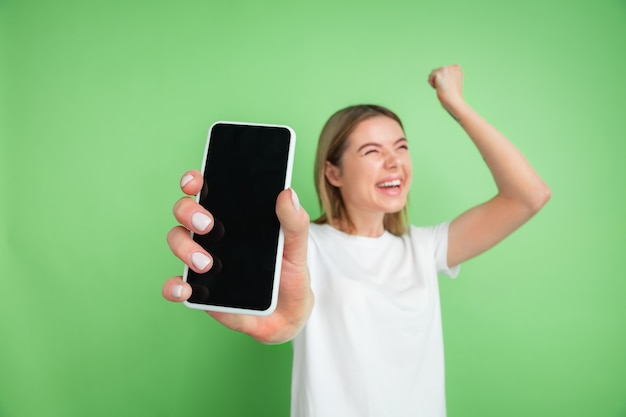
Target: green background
105,105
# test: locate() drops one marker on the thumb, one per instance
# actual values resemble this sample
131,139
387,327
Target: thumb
435,79
295,223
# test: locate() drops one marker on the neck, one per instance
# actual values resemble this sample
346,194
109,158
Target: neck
367,226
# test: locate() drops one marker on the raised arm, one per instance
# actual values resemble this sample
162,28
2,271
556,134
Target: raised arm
521,192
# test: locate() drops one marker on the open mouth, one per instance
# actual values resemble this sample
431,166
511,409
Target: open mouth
389,184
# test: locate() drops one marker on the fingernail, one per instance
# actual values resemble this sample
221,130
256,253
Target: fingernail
200,221
177,291
186,180
200,260
295,200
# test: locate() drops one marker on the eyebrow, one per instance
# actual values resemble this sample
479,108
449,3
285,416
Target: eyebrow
378,145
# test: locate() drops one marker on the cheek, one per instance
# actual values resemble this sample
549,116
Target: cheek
408,170
357,182
357,171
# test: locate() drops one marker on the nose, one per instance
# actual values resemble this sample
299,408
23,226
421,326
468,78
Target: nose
391,160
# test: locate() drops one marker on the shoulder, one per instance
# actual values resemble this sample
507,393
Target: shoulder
317,231
431,238
435,232
434,240
320,237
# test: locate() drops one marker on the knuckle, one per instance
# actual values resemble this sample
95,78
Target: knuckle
179,207
171,234
175,236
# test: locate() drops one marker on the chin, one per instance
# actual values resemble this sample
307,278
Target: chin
396,208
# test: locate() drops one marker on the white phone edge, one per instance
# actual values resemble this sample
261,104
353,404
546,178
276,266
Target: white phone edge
281,236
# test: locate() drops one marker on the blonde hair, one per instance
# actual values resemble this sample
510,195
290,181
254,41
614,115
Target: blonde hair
332,143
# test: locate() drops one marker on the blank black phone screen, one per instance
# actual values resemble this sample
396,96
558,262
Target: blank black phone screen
245,170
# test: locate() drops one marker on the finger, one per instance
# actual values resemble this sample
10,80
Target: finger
193,216
295,223
188,251
176,290
432,77
452,71
295,289
436,77
191,182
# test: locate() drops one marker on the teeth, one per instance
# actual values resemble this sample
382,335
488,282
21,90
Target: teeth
387,184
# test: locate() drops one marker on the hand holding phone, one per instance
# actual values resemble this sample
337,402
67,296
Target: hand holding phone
295,298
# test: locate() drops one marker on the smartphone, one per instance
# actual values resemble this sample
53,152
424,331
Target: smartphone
245,167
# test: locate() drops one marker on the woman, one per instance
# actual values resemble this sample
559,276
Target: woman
372,342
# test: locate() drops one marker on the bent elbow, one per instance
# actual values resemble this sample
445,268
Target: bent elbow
540,197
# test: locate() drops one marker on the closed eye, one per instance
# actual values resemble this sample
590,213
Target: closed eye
373,147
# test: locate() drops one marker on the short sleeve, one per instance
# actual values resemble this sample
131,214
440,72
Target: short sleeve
440,241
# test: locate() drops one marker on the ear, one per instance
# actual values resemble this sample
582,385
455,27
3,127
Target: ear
333,174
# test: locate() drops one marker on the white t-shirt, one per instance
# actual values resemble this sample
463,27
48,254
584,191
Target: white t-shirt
373,345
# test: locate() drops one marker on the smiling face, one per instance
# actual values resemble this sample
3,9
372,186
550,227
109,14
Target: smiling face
374,172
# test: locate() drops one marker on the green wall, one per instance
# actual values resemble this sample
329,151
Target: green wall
103,107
